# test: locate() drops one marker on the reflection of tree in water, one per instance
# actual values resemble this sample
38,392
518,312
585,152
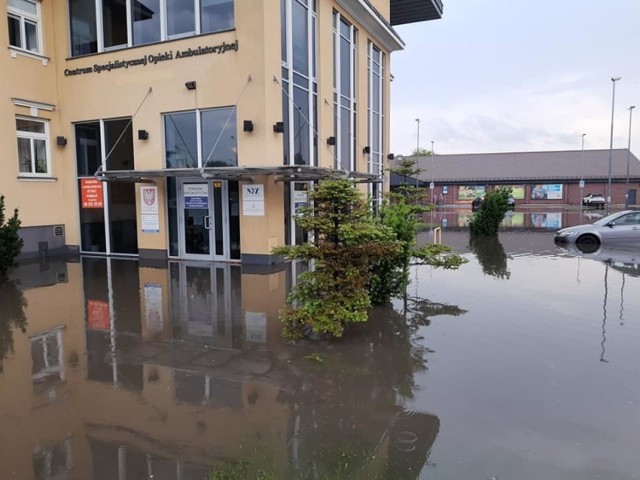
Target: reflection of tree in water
347,399
12,315
490,254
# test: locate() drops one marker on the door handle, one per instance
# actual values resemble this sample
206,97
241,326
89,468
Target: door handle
207,222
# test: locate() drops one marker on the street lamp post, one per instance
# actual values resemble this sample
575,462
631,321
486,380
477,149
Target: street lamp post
582,171
626,195
432,185
613,104
418,148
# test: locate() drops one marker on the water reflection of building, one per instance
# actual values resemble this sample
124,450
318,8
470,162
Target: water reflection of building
127,372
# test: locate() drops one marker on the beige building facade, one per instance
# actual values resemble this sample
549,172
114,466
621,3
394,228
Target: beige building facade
190,129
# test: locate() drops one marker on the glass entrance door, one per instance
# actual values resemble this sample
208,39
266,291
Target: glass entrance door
204,220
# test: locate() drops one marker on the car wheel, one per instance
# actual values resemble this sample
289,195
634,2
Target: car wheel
588,243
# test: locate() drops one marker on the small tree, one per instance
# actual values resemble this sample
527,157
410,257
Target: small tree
487,219
421,152
347,241
10,241
391,274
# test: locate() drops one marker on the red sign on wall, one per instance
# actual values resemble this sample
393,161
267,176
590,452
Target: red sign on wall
91,193
98,315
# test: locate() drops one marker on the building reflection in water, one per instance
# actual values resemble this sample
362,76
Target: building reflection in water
128,372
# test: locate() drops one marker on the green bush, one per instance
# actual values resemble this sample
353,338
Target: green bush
347,241
10,241
486,220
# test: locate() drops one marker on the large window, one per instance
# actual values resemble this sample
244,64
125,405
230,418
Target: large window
376,118
344,92
299,82
100,25
108,222
206,138
24,25
33,147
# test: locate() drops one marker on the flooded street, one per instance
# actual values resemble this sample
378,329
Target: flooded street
521,364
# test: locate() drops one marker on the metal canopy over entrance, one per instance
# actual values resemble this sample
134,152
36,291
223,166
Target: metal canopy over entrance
284,173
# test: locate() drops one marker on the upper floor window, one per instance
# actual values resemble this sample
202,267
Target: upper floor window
344,91
299,82
201,138
102,25
24,25
33,146
375,70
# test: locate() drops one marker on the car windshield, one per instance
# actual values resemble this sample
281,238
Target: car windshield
609,218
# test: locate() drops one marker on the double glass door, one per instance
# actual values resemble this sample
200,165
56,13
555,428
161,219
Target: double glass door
204,219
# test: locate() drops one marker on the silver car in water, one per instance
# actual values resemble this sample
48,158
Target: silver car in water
621,228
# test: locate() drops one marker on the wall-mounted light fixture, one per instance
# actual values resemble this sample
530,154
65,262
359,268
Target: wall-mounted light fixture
247,126
190,85
390,156
366,149
143,135
278,127
331,141
61,141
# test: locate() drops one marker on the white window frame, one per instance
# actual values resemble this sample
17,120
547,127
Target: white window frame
58,368
23,17
164,36
31,136
311,79
376,157
337,89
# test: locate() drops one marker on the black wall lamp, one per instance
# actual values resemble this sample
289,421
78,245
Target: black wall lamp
331,141
190,85
278,127
61,141
143,135
366,149
391,156
247,126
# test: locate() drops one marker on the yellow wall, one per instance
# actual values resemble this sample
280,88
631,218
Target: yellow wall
222,80
153,419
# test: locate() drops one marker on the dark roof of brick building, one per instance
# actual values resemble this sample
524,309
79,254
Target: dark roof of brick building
527,166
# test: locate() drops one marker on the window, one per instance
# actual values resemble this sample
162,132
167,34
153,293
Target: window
108,222
299,82
376,118
33,147
204,138
24,24
344,92
46,356
102,25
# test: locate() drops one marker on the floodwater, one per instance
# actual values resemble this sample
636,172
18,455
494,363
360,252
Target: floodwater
520,365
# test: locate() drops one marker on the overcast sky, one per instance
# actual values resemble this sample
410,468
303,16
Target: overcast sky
518,75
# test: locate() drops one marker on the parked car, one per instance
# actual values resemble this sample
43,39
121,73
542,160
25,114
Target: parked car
475,205
621,228
594,200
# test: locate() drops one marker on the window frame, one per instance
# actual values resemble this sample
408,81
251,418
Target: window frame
164,27
376,156
352,67
307,82
24,17
32,136
200,153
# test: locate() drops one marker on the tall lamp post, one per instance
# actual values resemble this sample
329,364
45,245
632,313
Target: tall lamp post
626,195
613,104
432,185
582,171
418,148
